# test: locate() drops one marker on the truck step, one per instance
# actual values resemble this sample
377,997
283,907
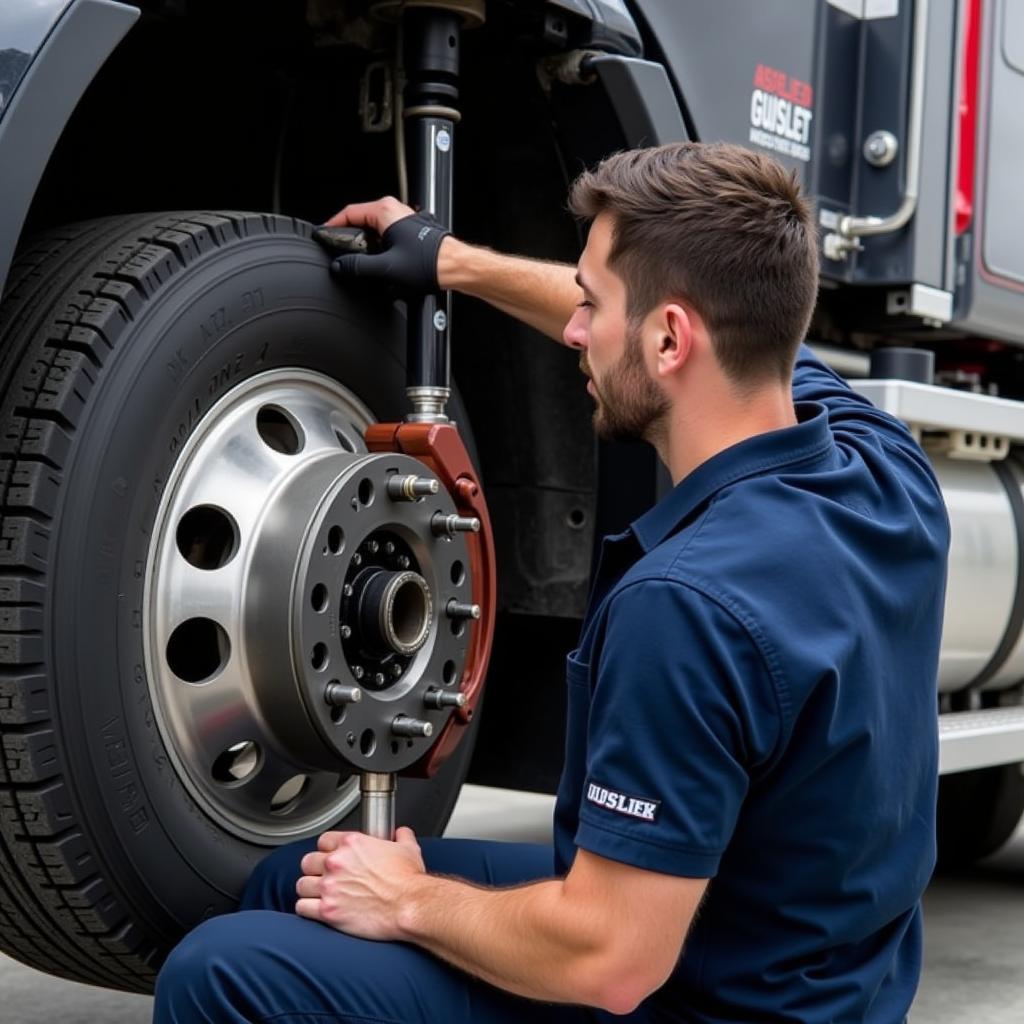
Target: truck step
979,739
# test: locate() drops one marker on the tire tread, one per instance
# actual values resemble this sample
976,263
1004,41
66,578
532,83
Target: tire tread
58,913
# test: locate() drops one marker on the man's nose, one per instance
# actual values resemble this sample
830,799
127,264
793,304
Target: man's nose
574,335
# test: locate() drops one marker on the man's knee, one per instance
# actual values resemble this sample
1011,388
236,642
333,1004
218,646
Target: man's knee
190,981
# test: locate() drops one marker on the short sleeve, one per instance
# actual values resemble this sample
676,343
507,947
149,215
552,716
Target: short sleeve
682,715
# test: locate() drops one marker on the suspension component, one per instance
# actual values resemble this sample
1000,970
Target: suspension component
377,809
431,35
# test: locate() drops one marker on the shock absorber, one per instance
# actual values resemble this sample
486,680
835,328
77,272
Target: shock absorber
431,34
431,38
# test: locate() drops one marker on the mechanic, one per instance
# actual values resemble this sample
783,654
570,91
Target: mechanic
753,698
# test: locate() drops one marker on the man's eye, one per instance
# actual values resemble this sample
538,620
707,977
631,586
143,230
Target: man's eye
585,304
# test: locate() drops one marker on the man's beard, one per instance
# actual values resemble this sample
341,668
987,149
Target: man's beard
629,405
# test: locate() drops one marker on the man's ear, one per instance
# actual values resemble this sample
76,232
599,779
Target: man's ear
675,341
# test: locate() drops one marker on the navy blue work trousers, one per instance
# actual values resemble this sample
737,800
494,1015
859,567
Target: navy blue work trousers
265,963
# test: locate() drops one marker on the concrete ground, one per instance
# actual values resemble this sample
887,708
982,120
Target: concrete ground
974,928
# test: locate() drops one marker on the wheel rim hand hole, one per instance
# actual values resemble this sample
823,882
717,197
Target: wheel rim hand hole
367,742
448,673
288,794
458,573
207,537
197,650
237,763
319,598
365,492
279,430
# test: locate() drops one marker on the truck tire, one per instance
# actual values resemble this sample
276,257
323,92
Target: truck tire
117,338
978,812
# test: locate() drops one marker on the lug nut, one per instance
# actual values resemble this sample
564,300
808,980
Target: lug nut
379,678
403,725
447,526
347,590
389,548
357,559
403,562
338,696
373,547
435,698
410,488
358,671
461,610
396,669
346,632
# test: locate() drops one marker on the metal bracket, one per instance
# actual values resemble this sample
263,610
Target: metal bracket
931,304
376,98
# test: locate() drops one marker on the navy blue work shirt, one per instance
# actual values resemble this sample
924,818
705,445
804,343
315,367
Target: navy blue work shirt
754,701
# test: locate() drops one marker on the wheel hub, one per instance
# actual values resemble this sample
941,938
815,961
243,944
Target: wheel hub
302,607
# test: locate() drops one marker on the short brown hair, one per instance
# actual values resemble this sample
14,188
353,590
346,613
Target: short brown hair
722,228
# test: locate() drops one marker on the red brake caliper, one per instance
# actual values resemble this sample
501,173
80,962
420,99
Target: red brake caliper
440,447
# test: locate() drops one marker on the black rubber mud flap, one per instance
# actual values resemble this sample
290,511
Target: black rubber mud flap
116,336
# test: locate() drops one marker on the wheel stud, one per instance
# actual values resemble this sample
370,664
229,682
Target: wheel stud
389,548
378,678
338,696
410,488
461,610
373,547
404,562
396,669
403,725
358,671
346,632
347,590
435,698
447,526
357,559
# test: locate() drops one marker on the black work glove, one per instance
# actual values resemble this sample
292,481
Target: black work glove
407,260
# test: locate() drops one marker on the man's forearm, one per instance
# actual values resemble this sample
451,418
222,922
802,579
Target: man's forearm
539,293
526,940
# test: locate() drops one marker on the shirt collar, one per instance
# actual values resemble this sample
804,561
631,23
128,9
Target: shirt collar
759,454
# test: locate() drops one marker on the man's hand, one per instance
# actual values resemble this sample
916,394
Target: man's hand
356,883
410,245
541,294
377,216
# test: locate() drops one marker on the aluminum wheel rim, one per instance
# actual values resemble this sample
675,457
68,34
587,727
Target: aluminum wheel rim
241,452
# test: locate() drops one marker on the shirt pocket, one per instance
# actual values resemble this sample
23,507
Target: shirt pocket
577,671
574,767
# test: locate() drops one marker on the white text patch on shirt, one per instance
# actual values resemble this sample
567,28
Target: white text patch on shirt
631,806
